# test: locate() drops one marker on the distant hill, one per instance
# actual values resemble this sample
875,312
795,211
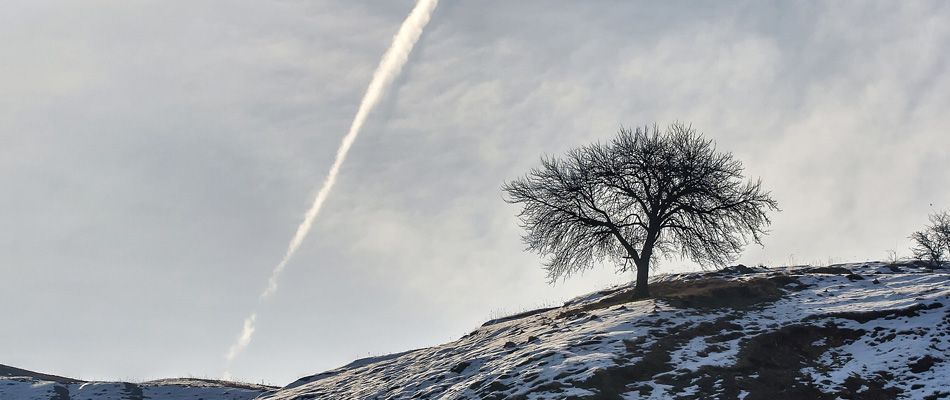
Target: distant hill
17,384
851,331
8,372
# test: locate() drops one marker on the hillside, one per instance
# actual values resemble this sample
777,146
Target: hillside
857,331
853,331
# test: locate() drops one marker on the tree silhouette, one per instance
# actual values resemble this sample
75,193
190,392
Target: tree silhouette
644,193
934,240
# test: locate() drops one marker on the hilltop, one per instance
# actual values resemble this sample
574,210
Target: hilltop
868,330
853,331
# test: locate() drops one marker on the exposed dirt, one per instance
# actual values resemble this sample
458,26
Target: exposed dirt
705,293
520,315
718,293
133,391
865,316
768,365
60,393
923,364
827,270
873,388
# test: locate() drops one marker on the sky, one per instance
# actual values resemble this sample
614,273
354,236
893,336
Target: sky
156,157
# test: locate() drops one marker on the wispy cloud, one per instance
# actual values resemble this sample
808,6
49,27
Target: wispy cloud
389,67
243,339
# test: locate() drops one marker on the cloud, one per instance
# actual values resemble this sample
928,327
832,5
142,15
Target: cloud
165,168
243,339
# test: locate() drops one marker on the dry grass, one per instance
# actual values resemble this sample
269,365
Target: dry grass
717,293
706,292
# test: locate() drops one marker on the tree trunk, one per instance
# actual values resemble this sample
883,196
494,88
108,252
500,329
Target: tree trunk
641,291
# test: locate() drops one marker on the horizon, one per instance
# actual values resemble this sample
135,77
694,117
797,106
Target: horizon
160,155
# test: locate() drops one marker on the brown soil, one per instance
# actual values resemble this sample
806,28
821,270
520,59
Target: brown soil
768,365
923,364
865,316
827,270
520,315
718,293
706,293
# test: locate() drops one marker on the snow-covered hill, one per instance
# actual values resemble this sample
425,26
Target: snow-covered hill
20,384
856,331
853,331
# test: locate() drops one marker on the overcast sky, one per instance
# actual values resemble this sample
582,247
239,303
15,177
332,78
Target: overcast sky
157,156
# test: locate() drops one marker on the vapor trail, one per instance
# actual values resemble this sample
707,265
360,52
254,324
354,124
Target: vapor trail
244,338
389,67
387,71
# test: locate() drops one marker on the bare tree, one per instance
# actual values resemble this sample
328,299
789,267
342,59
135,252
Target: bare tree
931,243
644,193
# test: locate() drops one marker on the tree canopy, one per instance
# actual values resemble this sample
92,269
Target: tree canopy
644,193
933,241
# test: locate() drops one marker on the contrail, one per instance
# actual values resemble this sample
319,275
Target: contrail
244,338
387,71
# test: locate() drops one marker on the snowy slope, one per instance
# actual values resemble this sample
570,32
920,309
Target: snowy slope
16,384
853,331
862,331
